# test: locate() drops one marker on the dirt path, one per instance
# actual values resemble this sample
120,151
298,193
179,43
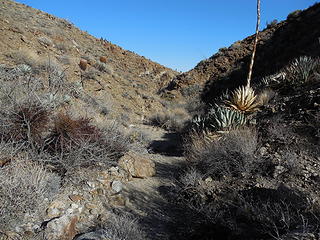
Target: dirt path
148,198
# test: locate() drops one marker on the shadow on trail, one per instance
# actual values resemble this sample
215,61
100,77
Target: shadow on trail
169,145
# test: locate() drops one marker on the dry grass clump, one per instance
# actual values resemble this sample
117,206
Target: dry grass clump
102,67
45,41
25,189
25,56
232,155
122,227
172,120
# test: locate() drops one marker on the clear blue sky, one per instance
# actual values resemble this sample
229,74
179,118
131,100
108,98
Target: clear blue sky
175,33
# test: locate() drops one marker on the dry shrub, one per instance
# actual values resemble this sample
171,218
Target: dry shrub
75,143
122,227
102,67
25,189
25,56
26,123
29,122
45,41
232,155
173,120
66,131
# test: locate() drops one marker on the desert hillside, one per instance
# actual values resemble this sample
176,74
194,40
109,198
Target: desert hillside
122,81
278,44
98,143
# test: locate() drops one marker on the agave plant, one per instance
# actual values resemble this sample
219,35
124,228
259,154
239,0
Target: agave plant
198,123
222,118
243,99
301,69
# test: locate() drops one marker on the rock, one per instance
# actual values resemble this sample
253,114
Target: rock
83,64
103,59
263,151
278,171
97,235
4,161
137,165
91,184
75,198
56,209
116,186
63,228
118,200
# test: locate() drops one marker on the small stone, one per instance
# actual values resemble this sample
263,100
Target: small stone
4,161
263,151
116,186
118,200
94,211
208,180
91,184
90,206
75,198
56,209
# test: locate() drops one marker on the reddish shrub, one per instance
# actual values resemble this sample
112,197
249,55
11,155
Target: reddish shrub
67,131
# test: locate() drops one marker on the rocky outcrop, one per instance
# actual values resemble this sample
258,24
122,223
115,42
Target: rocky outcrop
137,165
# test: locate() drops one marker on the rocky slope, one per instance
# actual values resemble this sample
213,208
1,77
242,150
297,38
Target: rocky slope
278,44
122,80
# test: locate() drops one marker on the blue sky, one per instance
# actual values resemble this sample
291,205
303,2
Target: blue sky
175,33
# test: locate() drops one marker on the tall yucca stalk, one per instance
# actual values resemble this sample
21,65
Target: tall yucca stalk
244,98
254,45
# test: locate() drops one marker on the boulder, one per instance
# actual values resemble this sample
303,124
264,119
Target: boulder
62,228
137,165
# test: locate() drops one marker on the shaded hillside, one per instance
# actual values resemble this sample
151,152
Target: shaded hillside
278,44
122,80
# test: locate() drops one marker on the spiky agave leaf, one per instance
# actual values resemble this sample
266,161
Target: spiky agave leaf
221,118
243,99
198,123
301,69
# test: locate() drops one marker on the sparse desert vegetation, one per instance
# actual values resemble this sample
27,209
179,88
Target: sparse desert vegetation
97,142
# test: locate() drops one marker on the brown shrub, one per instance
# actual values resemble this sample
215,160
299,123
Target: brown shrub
75,143
103,59
28,123
83,64
66,131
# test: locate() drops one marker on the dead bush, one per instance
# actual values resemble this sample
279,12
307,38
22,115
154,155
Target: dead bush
75,143
25,56
232,155
122,227
25,189
225,212
173,120
102,67
67,130
26,122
